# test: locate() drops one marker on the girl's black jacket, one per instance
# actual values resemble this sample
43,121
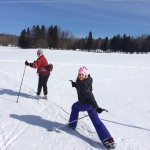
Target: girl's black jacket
84,91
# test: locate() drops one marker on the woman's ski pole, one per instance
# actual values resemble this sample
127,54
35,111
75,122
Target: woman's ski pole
21,84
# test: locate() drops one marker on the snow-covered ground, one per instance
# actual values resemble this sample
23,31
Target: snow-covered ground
121,85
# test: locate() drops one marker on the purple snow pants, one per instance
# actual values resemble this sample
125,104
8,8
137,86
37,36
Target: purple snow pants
101,130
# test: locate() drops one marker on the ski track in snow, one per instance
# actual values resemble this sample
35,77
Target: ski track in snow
82,129
13,130
15,133
90,65
61,113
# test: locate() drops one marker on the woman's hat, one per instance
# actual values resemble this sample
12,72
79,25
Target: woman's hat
83,70
39,51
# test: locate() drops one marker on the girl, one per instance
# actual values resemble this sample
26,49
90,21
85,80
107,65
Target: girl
86,102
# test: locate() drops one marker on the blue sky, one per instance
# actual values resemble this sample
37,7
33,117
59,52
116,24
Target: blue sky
102,17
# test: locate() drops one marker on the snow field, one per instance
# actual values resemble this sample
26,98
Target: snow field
121,85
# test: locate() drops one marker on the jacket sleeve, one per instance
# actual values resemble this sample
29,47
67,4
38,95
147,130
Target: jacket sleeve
31,65
35,64
89,95
74,84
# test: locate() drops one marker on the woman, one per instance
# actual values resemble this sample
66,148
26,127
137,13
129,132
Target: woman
86,102
43,71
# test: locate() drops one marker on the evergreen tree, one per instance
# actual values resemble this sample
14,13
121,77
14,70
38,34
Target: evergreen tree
53,37
97,44
42,41
148,44
89,44
23,39
124,43
32,32
54,43
112,43
115,43
105,44
37,36
30,40
43,33
49,37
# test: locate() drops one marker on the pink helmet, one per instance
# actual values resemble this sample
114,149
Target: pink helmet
83,70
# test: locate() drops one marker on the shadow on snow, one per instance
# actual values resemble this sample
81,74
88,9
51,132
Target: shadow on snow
39,121
14,93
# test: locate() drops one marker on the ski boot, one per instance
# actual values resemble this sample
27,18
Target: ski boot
109,143
37,97
45,97
73,128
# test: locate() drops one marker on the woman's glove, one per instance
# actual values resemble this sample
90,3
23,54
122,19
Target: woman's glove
100,110
26,63
73,83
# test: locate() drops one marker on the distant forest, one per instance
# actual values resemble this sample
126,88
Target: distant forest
54,38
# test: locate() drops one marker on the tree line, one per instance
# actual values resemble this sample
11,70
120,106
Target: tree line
8,39
54,38
42,37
